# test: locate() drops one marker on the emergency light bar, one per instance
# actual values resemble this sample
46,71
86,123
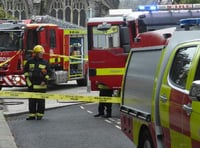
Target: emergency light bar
147,7
190,22
168,7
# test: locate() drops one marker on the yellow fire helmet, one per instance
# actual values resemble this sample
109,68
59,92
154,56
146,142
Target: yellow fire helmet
38,49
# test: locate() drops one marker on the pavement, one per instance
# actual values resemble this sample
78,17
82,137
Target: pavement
11,107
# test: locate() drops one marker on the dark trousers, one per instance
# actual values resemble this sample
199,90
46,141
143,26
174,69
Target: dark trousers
105,106
36,106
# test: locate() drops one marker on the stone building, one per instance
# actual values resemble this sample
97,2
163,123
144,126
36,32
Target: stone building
74,11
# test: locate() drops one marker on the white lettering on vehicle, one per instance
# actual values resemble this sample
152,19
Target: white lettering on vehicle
4,59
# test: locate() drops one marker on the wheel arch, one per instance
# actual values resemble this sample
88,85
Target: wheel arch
145,130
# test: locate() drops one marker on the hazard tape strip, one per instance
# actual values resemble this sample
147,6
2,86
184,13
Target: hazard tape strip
8,60
67,57
36,95
55,55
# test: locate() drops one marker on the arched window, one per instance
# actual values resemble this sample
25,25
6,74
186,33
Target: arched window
16,14
82,18
68,14
60,14
75,17
53,12
16,8
72,10
23,15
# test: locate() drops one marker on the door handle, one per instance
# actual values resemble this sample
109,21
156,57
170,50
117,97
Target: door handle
187,108
163,98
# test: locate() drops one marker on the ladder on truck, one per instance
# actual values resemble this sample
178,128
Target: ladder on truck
53,20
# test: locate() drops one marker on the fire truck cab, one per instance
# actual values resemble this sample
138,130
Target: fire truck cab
111,38
160,94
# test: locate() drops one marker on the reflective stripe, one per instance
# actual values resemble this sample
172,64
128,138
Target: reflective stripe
47,77
110,71
40,115
31,66
28,82
54,60
66,59
39,86
42,66
26,74
25,61
75,31
32,115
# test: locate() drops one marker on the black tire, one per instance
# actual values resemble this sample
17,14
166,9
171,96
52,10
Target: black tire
145,140
82,82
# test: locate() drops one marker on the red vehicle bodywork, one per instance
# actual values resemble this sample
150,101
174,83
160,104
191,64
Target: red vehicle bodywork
57,43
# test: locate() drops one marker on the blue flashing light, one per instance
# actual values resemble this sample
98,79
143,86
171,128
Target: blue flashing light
147,8
190,22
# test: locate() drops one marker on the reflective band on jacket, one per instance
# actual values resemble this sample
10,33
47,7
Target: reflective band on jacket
54,60
26,74
47,77
28,82
39,86
31,66
41,66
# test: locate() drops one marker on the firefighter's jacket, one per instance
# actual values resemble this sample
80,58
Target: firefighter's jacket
37,71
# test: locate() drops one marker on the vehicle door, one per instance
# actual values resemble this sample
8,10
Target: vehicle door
177,79
193,109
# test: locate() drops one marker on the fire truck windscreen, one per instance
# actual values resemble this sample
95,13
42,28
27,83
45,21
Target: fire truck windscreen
106,38
9,40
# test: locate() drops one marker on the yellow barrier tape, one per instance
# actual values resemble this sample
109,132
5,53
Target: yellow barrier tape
76,58
67,57
64,97
8,60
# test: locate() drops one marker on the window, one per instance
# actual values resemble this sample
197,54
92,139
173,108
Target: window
106,39
181,66
139,79
52,39
32,39
197,74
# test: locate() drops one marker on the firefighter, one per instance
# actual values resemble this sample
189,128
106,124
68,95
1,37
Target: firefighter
37,72
107,107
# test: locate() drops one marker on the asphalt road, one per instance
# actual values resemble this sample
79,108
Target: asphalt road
70,127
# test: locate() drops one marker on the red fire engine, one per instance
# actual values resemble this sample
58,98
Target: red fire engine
64,49
111,38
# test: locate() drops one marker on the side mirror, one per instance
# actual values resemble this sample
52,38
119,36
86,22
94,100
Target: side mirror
194,93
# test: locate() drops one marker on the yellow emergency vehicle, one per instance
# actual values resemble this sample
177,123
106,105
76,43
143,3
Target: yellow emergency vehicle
161,92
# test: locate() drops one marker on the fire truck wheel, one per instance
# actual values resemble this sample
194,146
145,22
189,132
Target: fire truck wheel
145,140
82,82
